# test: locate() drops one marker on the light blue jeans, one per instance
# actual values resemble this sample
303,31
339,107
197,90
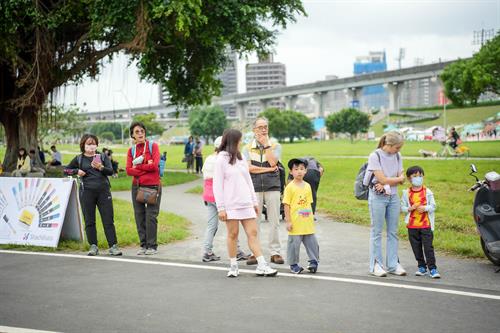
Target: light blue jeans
384,208
212,226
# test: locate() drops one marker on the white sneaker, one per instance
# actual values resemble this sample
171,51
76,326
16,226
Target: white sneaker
400,271
142,251
378,271
265,270
150,252
233,271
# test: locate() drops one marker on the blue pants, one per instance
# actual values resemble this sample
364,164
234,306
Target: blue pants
384,208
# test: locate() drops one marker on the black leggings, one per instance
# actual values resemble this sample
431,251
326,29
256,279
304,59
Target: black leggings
89,199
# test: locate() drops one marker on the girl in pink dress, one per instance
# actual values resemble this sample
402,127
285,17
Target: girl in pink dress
236,201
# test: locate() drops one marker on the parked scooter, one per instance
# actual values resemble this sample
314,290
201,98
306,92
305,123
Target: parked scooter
486,212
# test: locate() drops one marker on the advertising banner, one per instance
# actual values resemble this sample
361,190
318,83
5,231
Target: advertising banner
39,211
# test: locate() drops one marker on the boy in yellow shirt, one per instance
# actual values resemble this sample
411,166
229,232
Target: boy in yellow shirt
299,218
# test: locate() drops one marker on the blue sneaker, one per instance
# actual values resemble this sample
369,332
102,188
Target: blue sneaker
435,274
313,266
296,269
422,271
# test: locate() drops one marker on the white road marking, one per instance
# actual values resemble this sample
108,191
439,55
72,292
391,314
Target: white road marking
8,329
248,271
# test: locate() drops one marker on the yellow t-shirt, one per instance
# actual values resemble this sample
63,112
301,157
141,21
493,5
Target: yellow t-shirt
299,198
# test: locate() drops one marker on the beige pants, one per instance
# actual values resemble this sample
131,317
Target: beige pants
272,200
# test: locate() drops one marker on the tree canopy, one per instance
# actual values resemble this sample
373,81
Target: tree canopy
207,122
149,120
350,121
288,124
465,80
181,44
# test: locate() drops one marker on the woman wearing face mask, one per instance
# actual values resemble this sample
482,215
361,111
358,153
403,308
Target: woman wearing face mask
142,165
23,166
93,168
384,173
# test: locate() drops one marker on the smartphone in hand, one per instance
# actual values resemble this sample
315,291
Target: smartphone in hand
97,158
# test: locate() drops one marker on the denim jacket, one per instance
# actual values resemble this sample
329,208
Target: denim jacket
429,208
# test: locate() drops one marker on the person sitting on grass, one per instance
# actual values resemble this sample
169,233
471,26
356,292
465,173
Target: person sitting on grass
417,202
56,157
300,218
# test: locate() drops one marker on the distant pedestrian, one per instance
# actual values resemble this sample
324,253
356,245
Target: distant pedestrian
143,167
417,202
189,155
236,201
198,155
93,168
384,173
298,201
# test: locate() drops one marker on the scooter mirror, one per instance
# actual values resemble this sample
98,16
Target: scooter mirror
473,168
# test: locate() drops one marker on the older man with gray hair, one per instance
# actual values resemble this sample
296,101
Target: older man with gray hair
263,155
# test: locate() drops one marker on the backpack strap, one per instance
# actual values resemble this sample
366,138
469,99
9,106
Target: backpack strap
373,175
79,159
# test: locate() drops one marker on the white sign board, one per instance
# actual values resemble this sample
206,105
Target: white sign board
39,211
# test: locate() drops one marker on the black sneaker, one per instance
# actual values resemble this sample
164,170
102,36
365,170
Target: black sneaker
241,256
207,257
313,266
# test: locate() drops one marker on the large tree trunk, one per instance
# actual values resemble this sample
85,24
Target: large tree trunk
20,131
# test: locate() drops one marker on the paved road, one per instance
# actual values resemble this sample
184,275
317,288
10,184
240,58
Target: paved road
87,295
343,246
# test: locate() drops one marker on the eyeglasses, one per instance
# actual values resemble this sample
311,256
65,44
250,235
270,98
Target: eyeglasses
138,131
262,128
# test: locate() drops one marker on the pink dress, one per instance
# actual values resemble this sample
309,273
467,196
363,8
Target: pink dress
233,188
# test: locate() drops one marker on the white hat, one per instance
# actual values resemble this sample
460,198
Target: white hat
217,142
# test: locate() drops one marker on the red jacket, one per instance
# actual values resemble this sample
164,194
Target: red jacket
146,173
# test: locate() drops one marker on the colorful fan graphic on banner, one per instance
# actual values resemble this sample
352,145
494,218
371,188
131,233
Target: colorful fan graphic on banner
37,203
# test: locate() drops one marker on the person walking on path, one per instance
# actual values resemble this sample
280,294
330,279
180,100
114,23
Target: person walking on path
236,201
213,216
189,154
417,202
384,173
263,156
299,218
93,168
143,167
198,155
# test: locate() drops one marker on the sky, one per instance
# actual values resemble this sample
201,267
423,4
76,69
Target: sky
326,42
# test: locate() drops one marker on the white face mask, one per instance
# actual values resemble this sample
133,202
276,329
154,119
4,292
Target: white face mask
90,148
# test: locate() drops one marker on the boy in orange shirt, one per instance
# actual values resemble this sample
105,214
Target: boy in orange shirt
419,205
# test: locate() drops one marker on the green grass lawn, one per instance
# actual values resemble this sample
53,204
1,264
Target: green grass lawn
170,228
196,190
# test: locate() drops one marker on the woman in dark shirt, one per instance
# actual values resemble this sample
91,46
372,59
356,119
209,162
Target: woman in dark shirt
93,168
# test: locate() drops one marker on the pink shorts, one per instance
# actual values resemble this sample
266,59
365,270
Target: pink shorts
241,214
